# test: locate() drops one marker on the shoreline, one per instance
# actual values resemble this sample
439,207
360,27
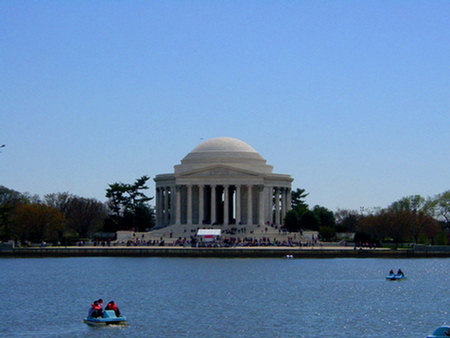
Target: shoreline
235,252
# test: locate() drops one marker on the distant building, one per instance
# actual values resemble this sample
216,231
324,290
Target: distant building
222,181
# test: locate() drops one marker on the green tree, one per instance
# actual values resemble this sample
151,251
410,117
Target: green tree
326,233
6,230
441,238
413,203
117,199
129,206
309,221
9,199
298,201
325,216
9,196
291,221
440,206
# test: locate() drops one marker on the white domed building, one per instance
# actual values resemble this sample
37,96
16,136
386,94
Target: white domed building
222,181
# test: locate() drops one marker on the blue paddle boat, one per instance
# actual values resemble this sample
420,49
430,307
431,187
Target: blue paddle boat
441,332
396,277
109,318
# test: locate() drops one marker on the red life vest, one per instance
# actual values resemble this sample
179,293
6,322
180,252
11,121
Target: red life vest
112,306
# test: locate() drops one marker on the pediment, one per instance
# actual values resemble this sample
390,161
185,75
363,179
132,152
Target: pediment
219,171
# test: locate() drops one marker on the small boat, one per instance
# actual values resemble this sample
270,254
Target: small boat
396,277
109,318
441,332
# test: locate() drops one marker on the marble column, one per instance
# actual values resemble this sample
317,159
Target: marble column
269,204
213,204
178,206
283,204
189,204
277,206
289,199
157,206
249,205
261,205
160,206
201,202
166,205
172,204
238,204
226,207
231,207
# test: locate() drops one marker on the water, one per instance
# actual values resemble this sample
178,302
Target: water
188,297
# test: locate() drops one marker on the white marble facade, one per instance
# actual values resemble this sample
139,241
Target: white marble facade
222,181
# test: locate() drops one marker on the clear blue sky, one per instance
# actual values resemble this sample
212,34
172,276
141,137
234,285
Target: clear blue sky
351,98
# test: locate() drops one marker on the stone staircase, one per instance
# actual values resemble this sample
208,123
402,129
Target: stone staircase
172,233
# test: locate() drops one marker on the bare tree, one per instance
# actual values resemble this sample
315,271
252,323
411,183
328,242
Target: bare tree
85,215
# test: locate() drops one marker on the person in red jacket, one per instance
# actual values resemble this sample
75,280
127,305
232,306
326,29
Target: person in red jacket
95,310
113,306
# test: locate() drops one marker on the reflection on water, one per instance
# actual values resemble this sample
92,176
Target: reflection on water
176,297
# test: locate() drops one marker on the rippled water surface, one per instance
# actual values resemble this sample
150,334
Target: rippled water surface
185,297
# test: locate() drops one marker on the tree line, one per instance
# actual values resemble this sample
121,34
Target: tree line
411,219
67,218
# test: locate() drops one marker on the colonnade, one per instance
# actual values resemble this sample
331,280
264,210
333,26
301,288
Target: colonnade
221,204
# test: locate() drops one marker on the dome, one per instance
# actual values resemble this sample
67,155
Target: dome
224,144
226,151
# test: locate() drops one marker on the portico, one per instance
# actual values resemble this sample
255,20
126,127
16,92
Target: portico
222,181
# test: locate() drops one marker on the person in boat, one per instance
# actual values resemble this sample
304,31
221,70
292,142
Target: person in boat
400,273
391,273
113,306
95,310
100,303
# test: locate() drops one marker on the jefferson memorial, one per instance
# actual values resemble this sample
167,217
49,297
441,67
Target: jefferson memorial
222,181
